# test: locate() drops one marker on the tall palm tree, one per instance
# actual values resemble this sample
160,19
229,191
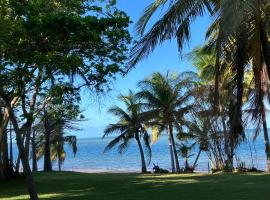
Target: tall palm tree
165,100
205,61
259,95
130,126
239,34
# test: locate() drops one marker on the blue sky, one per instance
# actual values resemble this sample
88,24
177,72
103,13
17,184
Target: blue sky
164,58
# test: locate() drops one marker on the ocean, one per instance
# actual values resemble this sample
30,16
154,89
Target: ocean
90,156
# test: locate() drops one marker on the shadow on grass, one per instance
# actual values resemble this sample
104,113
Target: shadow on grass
69,185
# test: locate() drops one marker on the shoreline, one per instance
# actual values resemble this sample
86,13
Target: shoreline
120,171
104,171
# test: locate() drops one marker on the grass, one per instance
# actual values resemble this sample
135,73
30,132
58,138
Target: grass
81,186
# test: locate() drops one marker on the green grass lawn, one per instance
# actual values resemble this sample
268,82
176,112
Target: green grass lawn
82,186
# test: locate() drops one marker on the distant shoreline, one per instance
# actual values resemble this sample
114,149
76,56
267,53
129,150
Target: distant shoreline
121,171
103,171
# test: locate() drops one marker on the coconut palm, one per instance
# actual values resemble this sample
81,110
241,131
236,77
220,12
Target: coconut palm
165,99
58,139
237,25
205,60
129,126
259,95
239,35
185,151
174,23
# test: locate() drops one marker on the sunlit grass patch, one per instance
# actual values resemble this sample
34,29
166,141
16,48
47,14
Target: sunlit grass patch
83,186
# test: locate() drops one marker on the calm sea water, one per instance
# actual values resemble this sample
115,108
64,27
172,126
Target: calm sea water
90,156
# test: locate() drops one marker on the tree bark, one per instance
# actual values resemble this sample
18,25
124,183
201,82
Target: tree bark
2,174
27,130
25,161
19,158
171,152
6,167
17,167
226,135
10,146
197,158
59,157
231,151
47,151
34,156
265,46
266,141
59,164
143,165
4,164
174,149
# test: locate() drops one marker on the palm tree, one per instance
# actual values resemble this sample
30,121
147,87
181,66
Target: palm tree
241,26
174,23
130,126
58,139
184,150
259,95
239,34
165,100
223,109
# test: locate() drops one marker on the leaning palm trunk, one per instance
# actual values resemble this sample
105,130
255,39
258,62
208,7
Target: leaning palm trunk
144,170
197,158
266,141
174,150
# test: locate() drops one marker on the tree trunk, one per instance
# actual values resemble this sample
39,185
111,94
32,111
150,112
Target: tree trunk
266,142
265,46
59,157
59,164
17,167
47,151
197,158
10,146
27,130
186,164
226,135
144,170
6,167
34,156
231,150
2,174
171,152
25,161
28,175
174,149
